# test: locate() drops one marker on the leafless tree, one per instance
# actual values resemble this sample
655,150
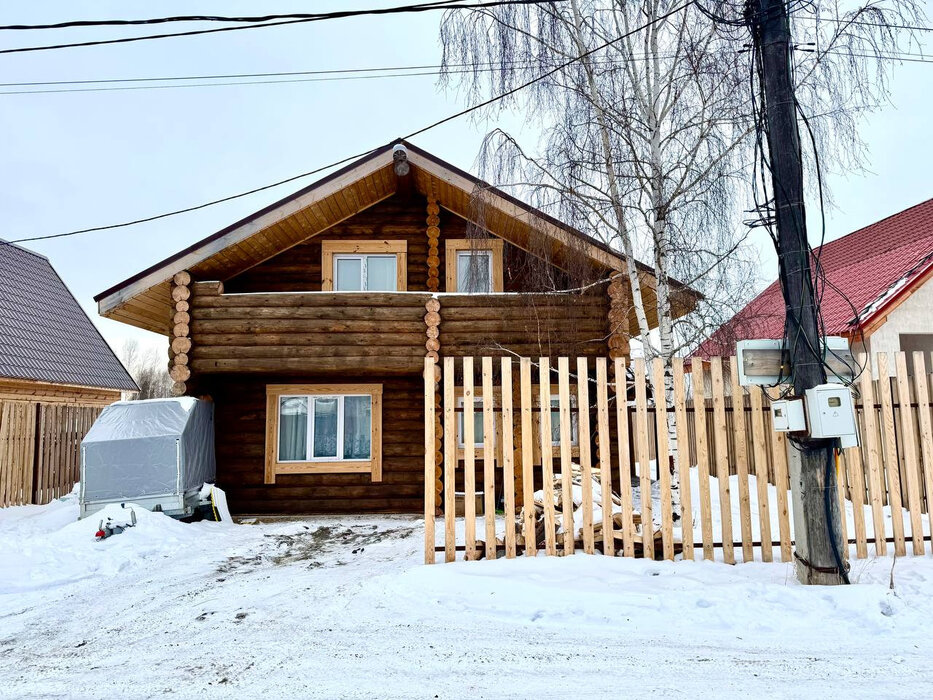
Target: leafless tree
147,368
647,140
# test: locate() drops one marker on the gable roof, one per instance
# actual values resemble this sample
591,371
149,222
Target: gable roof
870,271
144,299
44,332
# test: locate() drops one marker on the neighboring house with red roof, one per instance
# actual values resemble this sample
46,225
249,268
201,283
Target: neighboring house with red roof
878,292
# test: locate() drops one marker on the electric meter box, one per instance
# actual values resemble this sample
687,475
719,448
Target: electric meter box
831,412
787,416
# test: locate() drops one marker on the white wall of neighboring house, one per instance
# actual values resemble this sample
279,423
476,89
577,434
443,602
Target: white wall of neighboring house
913,316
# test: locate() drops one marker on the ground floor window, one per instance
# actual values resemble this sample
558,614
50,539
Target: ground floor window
323,429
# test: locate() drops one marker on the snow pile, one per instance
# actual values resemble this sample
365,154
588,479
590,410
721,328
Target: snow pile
333,607
47,546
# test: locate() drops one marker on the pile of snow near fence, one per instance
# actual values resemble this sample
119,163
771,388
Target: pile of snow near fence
330,607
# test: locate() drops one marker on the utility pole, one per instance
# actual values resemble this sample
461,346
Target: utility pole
812,472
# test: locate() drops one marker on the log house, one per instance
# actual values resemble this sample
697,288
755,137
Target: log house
308,322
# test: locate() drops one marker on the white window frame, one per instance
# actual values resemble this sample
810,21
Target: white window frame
574,420
364,269
461,418
311,457
323,465
485,252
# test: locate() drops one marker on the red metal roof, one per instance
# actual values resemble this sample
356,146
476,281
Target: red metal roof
870,268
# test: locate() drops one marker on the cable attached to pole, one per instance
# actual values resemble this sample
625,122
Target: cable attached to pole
832,455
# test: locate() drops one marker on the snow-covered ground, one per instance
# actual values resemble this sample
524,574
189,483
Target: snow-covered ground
343,608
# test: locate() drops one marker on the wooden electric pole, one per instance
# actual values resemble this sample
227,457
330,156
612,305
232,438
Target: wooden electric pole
818,546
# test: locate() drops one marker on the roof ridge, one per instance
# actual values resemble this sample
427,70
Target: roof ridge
875,223
4,242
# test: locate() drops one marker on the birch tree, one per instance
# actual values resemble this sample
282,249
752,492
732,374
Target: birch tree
647,141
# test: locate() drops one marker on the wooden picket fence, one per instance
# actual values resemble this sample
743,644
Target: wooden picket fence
40,449
610,438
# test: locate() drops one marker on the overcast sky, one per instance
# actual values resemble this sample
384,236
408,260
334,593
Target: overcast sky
76,160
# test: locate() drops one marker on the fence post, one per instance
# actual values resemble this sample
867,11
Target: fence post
508,465
605,455
450,463
489,466
625,465
586,464
699,425
926,432
547,456
528,507
683,459
663,459
909,437
643,457
566,455
890,454
429,450
722,459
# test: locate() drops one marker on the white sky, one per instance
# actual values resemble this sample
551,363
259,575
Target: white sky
76,160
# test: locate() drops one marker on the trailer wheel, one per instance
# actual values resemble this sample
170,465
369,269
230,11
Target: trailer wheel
201,512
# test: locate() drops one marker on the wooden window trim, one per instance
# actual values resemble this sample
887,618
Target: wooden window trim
374,247
457,245
371,466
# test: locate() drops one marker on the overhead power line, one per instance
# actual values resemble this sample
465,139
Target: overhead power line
341,14
123,88
228,18
342,161
885,56
272,78
863,23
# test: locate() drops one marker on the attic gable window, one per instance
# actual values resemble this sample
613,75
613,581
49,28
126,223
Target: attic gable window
365,273
474,266
474,271
364,266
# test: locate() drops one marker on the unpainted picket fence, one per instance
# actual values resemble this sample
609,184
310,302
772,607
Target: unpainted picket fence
608,429
40,449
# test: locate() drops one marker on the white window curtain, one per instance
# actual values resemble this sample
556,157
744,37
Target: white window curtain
474,271
293,428
349,274
357,427
373,273
325,428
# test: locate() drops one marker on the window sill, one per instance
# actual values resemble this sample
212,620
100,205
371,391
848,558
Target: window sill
328,467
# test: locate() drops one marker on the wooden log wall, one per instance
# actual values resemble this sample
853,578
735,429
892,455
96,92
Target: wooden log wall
619,308
240,419
321,333
531,325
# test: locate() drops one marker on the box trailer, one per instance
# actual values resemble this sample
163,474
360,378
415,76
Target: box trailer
156,453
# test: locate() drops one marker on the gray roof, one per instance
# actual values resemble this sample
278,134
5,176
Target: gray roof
44,333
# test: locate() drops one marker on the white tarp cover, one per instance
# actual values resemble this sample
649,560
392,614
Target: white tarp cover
148,448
